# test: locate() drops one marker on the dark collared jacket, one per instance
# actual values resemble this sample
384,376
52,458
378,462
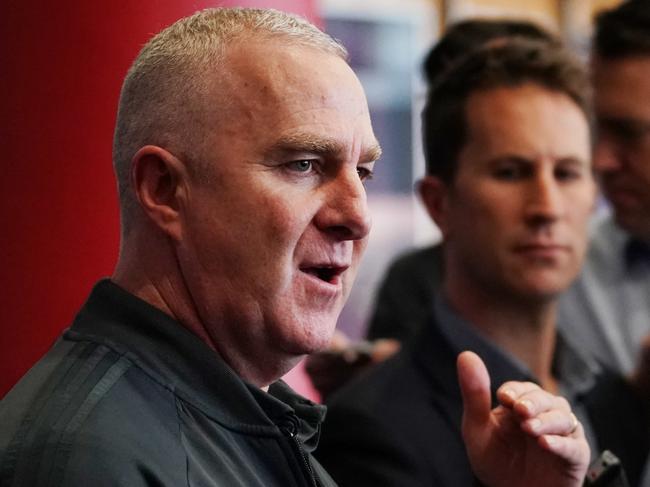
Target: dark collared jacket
127,396
399,424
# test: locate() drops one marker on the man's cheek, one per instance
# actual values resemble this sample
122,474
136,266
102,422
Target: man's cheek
360,248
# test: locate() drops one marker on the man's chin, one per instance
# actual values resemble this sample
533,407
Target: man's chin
309,340
545,294
542,287
312,345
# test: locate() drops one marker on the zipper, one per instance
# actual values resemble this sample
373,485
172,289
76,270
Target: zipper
291,433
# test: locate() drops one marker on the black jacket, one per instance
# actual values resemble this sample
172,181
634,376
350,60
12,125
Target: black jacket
399,424
403,299
127,396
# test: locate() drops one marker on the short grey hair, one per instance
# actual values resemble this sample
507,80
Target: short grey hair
163,94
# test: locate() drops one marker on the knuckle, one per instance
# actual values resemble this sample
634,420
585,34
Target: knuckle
563,403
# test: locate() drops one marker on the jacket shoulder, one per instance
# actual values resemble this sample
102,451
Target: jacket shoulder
393,426
77,416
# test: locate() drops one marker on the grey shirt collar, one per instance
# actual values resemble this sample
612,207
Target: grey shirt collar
576,373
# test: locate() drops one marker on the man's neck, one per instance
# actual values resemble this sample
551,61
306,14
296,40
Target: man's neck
153,276
524,328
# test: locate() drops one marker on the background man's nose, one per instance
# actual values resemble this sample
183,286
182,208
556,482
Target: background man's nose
544,202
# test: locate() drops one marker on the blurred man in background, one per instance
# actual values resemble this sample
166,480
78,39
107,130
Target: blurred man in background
509,183
608,309
404,297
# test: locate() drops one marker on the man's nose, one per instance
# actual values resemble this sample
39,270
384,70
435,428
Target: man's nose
345,210
545,203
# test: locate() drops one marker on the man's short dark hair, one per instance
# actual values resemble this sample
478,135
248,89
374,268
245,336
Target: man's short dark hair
502,63
464,37
623,31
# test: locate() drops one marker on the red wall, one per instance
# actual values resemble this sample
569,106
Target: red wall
61,67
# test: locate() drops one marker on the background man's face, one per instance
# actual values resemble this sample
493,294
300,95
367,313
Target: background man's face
518,209
274,234
622,156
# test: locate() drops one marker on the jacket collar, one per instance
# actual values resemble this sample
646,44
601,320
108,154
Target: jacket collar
444,336
179,361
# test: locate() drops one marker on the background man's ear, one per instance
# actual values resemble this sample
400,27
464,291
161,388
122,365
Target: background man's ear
158,179
435,193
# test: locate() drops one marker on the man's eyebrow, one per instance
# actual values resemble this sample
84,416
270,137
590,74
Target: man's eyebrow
511,158
372,153
321,145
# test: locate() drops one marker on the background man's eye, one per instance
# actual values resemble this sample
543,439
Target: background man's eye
566,174
301,166
507,173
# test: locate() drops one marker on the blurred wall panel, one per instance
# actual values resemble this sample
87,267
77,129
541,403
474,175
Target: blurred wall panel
545,12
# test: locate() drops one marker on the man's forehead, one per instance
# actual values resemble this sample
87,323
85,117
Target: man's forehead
528,119
282,76
277,88
516,101
258,58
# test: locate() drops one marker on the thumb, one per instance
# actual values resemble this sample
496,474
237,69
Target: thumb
474,383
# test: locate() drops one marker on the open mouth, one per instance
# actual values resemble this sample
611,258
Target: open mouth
326,274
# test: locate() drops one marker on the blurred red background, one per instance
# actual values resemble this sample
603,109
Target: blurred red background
62,64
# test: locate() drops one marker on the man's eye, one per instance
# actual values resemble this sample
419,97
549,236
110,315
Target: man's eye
301,166
567,174
512,169
508,173
364,173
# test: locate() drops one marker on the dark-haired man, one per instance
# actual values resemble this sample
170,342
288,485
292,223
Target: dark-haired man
404,297
509,183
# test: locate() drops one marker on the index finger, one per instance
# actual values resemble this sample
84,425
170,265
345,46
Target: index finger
529,400
511,392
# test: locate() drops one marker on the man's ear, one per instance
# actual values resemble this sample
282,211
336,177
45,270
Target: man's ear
158,179
435,196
